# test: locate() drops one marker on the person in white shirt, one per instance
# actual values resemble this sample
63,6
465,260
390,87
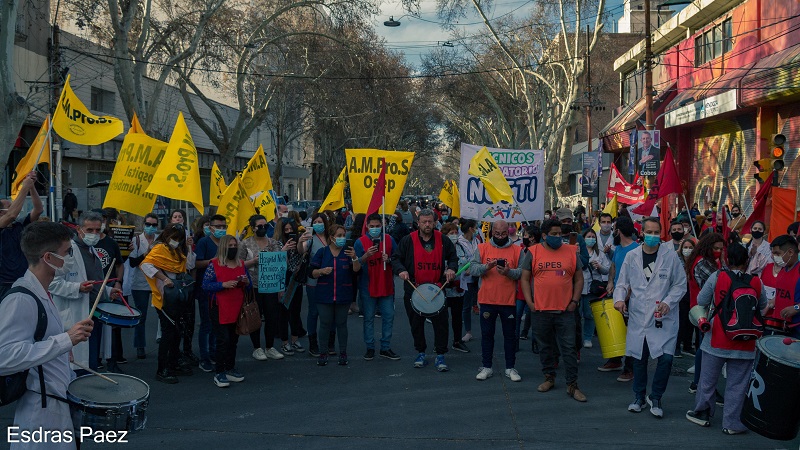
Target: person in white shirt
140,289
758,249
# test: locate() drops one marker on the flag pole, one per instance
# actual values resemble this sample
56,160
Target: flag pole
383,226
49,138
51,189
689,211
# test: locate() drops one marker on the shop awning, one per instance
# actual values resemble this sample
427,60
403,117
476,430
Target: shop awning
708,99
616,135
773,79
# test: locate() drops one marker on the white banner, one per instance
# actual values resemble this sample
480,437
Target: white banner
524,170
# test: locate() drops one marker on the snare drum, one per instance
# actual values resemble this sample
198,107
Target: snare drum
117,315
775,326
105,406
428,300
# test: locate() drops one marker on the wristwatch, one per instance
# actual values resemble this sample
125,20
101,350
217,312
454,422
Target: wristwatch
796,307
354,259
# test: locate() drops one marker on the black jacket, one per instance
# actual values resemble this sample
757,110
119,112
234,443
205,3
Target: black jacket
405,260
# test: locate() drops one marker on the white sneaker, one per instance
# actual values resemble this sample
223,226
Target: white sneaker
690,370
587,344
271,353
467,337
485,373
259,354
513,374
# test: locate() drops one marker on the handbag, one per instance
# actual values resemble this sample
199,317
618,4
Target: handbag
249,316
597,288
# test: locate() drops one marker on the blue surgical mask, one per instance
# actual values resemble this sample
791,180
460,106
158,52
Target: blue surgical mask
340,241
445,217
375,232
219,233
652,240
319,228
590,242
150,230
553,242
207,230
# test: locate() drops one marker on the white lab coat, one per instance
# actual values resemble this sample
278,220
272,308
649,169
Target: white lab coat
668,284
18,351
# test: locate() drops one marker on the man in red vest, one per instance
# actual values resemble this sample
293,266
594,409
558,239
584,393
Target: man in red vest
424,257
497,264
782,282
557,286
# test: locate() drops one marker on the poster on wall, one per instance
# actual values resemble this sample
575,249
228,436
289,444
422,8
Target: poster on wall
524,170
632,154
649,152
589,179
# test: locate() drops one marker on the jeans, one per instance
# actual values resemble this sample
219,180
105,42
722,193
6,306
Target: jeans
269,308
332,315
736,387
417,323
588,317
227,339
169,348
470,299
141,301
488,319
95,341
522,309
205,341
313,316
186,324
291,317
386,307
456,306
556,330
660,378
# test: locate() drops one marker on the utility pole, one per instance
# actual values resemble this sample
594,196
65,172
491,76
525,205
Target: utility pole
648,68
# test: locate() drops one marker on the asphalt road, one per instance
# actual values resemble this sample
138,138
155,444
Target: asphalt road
293,403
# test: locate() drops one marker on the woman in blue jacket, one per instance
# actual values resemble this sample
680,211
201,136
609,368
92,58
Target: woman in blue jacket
333,267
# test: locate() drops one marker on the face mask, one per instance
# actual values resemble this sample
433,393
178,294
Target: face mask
344,209
219,234
284,215
546,216
91,239
526,242
677,235
717,254
736,214
553,242
778,260
173,243
453,238
207,230
340,241
150,230
445,216
61,271
375,232
590,242
605,228
686,252
261,232
319,228
500,242
686,230
651,240
757,234
232,253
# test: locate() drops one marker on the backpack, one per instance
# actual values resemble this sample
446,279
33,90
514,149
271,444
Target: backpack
13,387
738,312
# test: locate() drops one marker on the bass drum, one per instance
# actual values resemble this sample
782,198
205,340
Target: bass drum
428,300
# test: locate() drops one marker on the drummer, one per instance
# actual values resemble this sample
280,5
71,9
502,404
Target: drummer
719,350
48,251
781,279
425,257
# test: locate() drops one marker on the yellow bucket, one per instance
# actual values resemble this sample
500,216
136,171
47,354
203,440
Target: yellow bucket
610,326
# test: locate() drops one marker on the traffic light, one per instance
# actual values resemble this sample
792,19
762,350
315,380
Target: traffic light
774,163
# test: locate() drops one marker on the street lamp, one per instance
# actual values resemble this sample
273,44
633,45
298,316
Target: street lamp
391,22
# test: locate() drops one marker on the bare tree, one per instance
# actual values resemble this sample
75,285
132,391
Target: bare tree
15,107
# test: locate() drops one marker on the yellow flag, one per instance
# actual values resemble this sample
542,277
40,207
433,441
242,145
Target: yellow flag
265,205
137,164
136,127
335,199
484,166
38,153
364,167
611,208
73,121
217,187
236,207
450,197
178,175
255,177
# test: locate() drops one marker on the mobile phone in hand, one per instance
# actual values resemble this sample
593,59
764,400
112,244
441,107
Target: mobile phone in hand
376,242
501,262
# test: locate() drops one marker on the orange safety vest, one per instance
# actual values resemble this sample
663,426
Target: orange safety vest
552,276
497,289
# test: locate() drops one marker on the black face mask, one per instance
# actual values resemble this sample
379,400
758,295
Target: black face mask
500,242
232,253
677,235
616,239
526,242
757,234
261,232
736,214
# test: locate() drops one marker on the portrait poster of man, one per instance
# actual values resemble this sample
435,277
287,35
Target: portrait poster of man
589,177
649,152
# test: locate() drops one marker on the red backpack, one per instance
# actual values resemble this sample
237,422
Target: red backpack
738,311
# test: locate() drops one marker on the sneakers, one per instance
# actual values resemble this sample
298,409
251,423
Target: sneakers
298,347
693,388
485,372
123,360
221,380
523,337
733,432
587,344
259,354
636,406
467,337
342,359
322,360
690,370
513,375
625,377
273,354
234,375
370,355
420,361
574,392
610,366
655,407
389,354
287,349
698,417
440,365
549,383
313,346
206,366
459,346
165,376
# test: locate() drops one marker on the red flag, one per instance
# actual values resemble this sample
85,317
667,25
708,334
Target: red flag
760,210
726,231
377,196
626,192
664,218
667,182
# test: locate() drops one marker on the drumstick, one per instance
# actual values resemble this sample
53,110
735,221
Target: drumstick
109,281
126,304
460,271
93,372
417,291
790,341
102,286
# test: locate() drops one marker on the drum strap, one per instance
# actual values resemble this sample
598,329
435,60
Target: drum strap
53,396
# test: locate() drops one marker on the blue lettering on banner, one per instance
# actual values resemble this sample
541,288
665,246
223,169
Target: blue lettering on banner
525,189
271,272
